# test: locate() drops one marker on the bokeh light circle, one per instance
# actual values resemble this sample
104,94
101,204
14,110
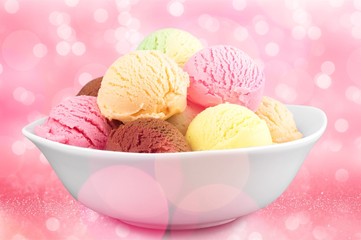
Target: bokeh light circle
353,66
18,53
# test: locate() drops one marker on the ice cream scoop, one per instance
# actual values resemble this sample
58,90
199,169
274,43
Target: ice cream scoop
182,120
91,88
176,43
76,121
143,84
147,135
279,119
222,73
227,126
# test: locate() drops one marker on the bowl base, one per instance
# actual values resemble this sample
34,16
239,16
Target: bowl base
180,226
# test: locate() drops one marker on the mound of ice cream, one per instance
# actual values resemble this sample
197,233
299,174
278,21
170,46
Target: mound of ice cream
182,120
76,121
227,126
175,43
279,120
91,88
221,74
147,135
151,105
143,84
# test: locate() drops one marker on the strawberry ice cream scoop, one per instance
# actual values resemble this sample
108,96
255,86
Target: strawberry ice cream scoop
222,74
76,121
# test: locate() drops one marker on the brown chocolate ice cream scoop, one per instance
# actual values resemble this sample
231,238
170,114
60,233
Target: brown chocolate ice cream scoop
91,88
147,135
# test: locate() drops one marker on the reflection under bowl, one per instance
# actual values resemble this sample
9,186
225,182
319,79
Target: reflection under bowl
182,190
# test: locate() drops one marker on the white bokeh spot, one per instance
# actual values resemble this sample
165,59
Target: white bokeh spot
239,5
328,67
341,125
356,32
319,233
18,148
353,94
64,31
40,50
357,4
255,236
18,236
323,81
122,231
285,92
71,3
208,22
63,48
355,18
298,32
292,222
100,15
272,49
301,17
261,27
84,78
123,4
175,8
240,33
52,224
124,18
341,175
23,96
58,18
11,6
314,33
78,48
134,37
134,23
336,3
91,215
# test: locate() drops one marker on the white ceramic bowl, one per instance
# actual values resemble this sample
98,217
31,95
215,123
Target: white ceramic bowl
182,190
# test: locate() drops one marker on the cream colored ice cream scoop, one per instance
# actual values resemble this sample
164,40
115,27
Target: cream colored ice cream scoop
141,84
279,120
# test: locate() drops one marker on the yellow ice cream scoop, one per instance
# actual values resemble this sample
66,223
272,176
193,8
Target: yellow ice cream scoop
227,126
142,84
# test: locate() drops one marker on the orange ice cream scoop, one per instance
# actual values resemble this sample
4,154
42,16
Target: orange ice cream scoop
143,84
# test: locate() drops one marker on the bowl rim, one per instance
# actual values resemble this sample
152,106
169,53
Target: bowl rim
28,132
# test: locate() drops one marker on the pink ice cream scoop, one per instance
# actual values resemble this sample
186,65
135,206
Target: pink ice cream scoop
222,74
76,121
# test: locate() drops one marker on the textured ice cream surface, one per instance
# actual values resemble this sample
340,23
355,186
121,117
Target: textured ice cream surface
91,88
143,84
182,120
227,126
279,119
178,44
222,73
76,121
147,135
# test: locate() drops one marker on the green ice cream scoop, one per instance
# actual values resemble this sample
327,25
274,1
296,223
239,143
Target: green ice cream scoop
177,44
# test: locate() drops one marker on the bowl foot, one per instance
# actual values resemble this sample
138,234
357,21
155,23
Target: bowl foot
180,226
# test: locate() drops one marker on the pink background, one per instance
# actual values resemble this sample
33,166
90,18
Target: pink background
311,54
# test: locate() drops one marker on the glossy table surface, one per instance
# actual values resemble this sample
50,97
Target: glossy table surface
310,52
